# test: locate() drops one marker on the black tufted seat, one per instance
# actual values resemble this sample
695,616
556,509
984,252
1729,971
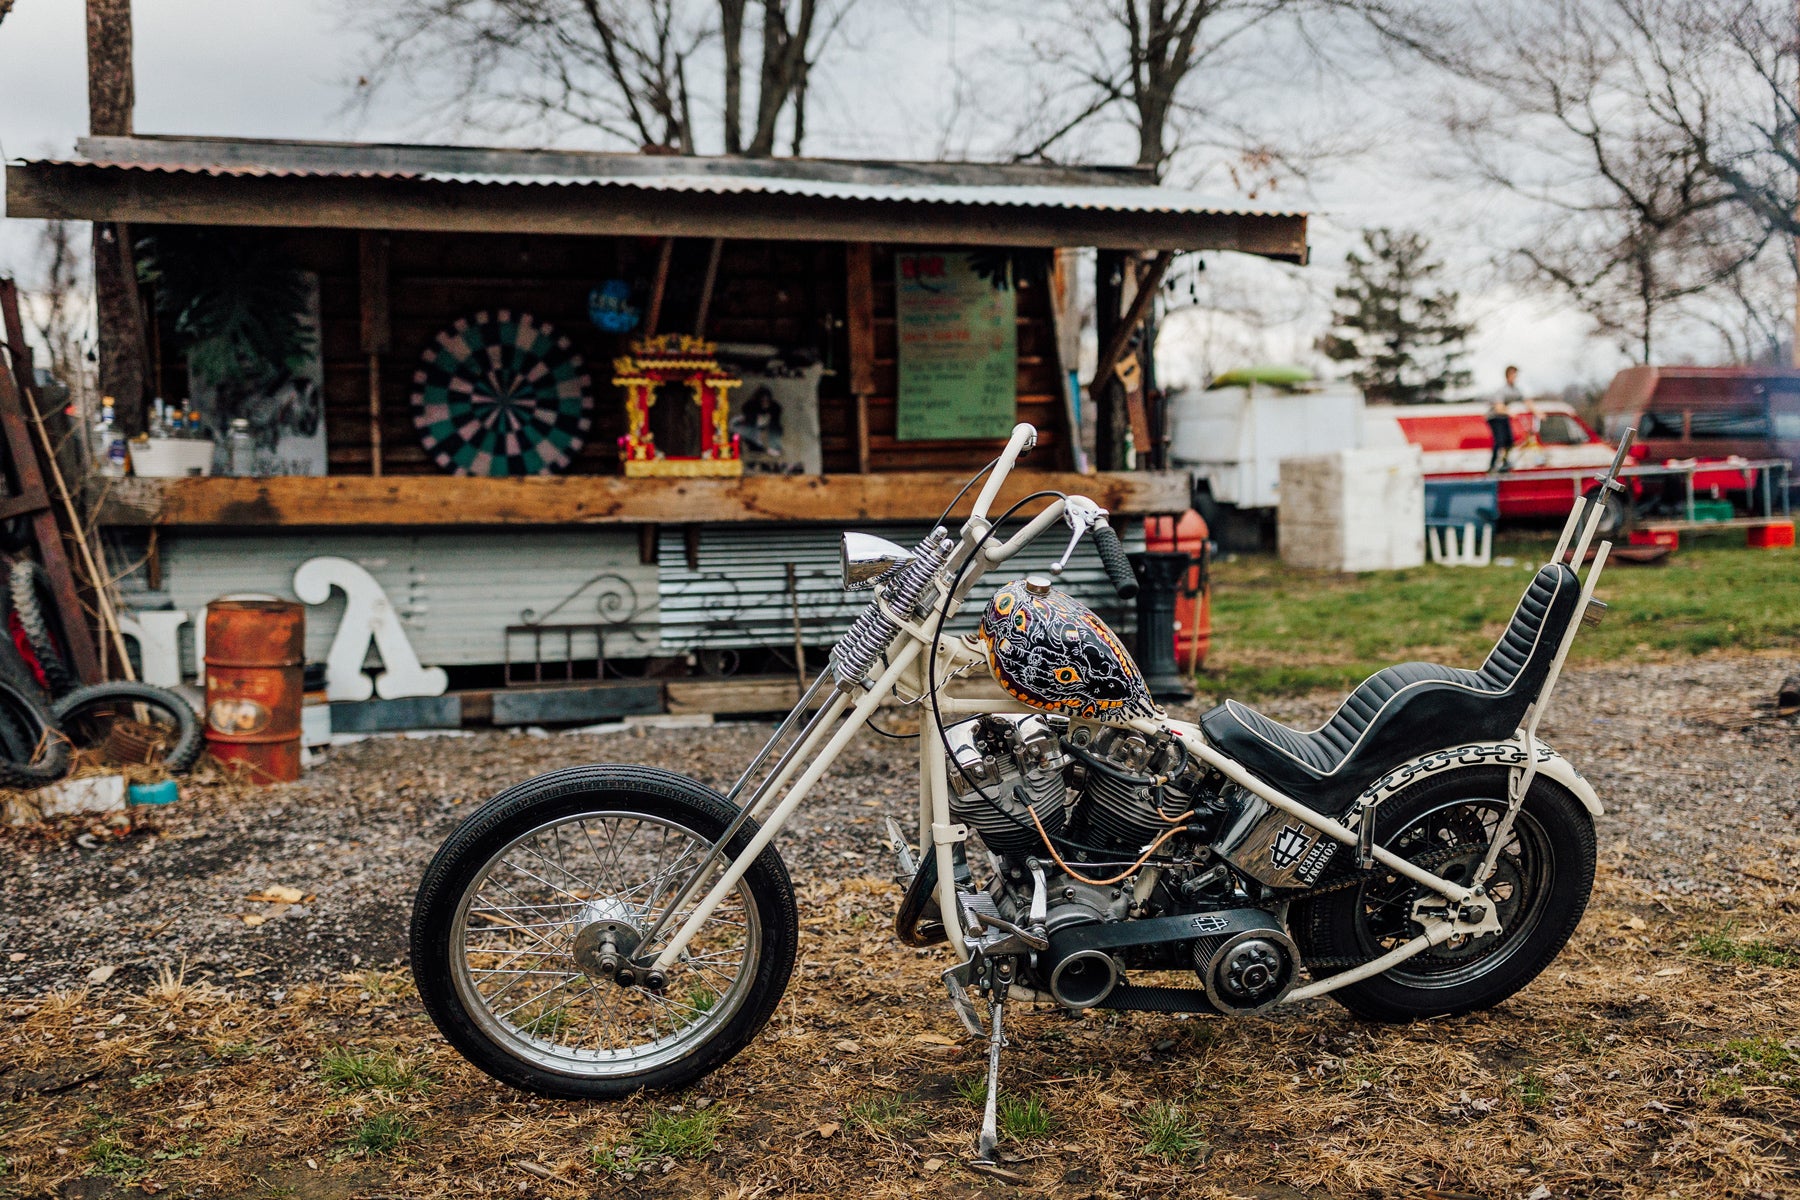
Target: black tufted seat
1404,711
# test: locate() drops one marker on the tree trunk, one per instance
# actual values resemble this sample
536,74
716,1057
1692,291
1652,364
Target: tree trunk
799,111
731,30
121,323
1108,396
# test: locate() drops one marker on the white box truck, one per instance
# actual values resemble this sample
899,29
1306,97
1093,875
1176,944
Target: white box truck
1232,436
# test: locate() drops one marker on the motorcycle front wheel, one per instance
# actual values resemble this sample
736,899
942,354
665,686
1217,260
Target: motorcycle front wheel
518,913
1540,887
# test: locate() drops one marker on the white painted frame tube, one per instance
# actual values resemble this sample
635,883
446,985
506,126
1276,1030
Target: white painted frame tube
1393,862
741,864
1440,932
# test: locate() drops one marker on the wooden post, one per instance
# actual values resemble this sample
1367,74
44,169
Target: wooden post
377,335
706,287
1112,349
859,293
111,96
653,318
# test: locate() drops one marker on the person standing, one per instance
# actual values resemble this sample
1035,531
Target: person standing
1499,423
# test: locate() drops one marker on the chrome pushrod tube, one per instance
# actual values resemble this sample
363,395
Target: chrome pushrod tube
793,718
741,864
807,735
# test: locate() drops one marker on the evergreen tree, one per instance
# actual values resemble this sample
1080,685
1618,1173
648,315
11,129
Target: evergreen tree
1398,330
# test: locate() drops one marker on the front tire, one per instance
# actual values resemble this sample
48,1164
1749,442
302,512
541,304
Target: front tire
511,911
1541,884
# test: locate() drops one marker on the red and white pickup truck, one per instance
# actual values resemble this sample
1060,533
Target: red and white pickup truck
1457,444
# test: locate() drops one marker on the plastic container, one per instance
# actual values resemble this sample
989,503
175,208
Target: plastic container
171,458
165,792
1773,536
1713,510
254,652
1655,537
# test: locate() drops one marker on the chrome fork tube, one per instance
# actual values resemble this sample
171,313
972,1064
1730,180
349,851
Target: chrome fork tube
793,718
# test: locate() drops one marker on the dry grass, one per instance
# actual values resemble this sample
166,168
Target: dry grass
1648,1062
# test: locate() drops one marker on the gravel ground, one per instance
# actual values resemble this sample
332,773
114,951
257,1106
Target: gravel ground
1686,756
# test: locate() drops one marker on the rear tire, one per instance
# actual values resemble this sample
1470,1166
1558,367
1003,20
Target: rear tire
481,927
1541,883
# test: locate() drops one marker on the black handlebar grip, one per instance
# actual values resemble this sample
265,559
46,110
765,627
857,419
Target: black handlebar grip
1112,557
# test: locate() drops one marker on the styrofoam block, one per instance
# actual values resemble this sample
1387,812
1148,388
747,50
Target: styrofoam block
89,794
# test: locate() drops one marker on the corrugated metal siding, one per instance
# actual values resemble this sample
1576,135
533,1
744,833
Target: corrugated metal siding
738,597
455,592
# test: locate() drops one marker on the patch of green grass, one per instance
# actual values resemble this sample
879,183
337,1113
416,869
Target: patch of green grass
234,1049
381,1134
1531,1090
110,1155
701,998
181,1149
147,1079
886,1115
550,1025
1171,1132
348,1070
1279,629
665,1135
1762,1060
681,1135
1720,946
973,1090
1022,1117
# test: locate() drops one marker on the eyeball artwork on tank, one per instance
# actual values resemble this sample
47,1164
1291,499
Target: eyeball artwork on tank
1053,653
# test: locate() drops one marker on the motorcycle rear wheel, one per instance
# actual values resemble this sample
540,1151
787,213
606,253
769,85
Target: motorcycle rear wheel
1541,884
510,912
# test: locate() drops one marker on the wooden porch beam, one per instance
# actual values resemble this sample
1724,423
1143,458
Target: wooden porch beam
452,502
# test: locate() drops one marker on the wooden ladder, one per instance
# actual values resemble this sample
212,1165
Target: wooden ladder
26,495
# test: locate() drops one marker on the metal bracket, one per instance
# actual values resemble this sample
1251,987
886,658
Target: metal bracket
948,835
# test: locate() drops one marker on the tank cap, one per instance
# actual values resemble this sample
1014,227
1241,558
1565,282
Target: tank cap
1038,585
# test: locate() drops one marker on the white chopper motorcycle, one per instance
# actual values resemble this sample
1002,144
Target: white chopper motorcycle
601,929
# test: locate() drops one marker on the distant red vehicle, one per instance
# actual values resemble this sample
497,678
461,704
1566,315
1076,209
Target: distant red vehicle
1708,414
1457,444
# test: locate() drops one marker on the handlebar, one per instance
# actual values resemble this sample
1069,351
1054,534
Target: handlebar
1024,437
1112,557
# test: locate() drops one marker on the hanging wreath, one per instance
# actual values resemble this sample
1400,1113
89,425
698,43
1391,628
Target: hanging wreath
500,395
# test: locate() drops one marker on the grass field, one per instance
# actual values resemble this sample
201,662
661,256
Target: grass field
1279,630
1655,1059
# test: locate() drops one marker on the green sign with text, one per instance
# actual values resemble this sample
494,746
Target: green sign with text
958,345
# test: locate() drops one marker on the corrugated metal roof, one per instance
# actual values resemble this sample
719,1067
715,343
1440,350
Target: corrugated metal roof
1003,185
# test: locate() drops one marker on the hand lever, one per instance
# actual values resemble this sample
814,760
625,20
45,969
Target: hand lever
1082,515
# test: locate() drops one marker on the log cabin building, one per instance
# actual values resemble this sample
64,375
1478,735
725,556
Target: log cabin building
510,564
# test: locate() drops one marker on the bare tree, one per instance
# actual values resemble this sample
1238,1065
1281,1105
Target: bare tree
5,7
1573,108
58,305
638,72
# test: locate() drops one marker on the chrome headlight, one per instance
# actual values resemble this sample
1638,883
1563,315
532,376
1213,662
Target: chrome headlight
866,560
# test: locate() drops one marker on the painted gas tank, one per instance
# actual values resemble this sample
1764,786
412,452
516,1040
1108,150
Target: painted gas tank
1051,652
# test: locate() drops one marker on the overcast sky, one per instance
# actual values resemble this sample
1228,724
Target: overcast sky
285,68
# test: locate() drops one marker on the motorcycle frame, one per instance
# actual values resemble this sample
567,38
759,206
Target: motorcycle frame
908,673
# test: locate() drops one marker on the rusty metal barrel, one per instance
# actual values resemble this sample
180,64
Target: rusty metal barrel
255,651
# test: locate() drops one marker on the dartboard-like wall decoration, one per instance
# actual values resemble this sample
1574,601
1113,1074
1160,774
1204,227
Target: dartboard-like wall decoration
502,395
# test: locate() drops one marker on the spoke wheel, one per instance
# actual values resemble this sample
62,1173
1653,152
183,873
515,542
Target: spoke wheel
528,921
1540,888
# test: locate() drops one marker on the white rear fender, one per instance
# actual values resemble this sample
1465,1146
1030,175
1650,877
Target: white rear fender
1482,754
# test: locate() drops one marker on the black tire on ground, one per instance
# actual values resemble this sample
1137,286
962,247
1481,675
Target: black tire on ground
34,753
1616,516
27,587
1541,883
86,716
487,836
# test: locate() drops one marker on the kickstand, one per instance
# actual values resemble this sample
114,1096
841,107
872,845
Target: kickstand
990,1132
